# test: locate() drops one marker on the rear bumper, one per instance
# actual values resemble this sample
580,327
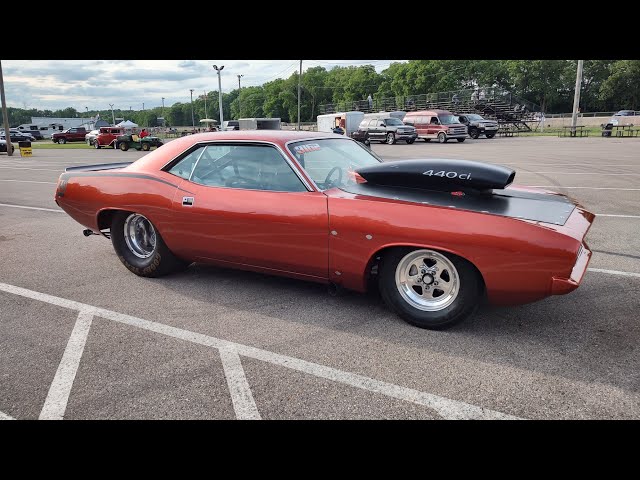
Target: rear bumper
561,286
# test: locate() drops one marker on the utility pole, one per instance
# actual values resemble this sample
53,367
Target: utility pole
205,104
163,110
239,95
299,90
576,98
113,117
215,67
193,119
5,115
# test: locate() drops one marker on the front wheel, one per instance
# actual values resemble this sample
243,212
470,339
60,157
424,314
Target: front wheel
460,140
410,141
429,289
442,137
96,144
140,247
474,133
145,147
391,138
62,141
490,135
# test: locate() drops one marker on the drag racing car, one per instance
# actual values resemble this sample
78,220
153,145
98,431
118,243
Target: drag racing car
436,236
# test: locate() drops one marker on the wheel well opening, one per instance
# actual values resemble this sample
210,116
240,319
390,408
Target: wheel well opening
105,217
371,271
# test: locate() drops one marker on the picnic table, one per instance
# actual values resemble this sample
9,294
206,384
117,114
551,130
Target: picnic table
626,130
570,131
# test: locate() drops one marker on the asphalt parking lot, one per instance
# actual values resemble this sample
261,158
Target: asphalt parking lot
83,338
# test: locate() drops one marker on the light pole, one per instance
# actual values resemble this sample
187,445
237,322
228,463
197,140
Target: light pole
5,116
239,95
163,109
113,117
299,90
215,67
193,119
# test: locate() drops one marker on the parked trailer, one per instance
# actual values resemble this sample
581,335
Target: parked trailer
259,123
349,121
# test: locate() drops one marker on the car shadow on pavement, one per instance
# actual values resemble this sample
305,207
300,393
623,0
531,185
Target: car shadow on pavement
576,336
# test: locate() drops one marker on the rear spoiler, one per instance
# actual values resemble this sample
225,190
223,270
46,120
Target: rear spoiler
98,166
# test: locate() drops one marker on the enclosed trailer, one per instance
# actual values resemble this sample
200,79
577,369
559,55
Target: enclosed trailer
259,123
349,121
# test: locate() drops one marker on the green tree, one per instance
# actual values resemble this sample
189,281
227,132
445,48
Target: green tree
621,90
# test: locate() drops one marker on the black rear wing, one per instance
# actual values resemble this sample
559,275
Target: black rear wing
98,166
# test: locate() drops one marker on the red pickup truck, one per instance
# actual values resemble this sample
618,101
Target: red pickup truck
75,134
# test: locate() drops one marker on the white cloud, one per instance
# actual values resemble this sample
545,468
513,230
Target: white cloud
55,84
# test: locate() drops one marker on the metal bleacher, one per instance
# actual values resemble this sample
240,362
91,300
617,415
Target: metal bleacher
513,114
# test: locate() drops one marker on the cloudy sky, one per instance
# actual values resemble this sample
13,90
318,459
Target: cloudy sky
55,84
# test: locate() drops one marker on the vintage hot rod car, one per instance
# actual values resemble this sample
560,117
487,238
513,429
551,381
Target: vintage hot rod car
437,236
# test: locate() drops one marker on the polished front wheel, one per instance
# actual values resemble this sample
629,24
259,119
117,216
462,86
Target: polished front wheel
428,288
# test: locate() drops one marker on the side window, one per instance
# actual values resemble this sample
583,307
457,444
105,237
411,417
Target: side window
185,166
373,123
253,167
408,120
380,123
364,124
434,121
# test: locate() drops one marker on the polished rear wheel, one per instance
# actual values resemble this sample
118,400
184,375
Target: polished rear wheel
140,246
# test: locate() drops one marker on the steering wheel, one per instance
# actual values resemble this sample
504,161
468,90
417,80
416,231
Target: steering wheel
238,182
328,182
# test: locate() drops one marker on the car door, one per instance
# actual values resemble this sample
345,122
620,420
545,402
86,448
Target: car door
377,127
244,204
434,126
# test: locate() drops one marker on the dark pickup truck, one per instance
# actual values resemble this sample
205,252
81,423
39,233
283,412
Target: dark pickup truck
75,134
476,125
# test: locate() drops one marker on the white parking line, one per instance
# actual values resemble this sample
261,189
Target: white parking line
27,168
32,208
523,172
585,188
600,165
445,407
28,181
58,396
616,216
614,272
241,396
4,416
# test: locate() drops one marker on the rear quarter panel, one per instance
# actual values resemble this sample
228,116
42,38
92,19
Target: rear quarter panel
87,194
517,259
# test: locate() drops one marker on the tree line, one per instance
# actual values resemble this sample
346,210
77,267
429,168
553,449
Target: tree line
608,85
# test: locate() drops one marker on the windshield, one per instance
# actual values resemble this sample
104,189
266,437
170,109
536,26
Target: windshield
448,119
473,117
329,161
392,121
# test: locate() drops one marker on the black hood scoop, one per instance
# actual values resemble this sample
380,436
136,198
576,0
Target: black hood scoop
439,174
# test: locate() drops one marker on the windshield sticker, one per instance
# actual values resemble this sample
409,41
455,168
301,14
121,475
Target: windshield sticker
309,147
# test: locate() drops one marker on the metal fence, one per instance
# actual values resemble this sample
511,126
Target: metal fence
454,98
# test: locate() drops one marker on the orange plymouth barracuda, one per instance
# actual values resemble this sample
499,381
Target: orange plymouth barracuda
436,236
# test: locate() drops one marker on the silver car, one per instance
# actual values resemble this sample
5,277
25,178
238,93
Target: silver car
91,136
